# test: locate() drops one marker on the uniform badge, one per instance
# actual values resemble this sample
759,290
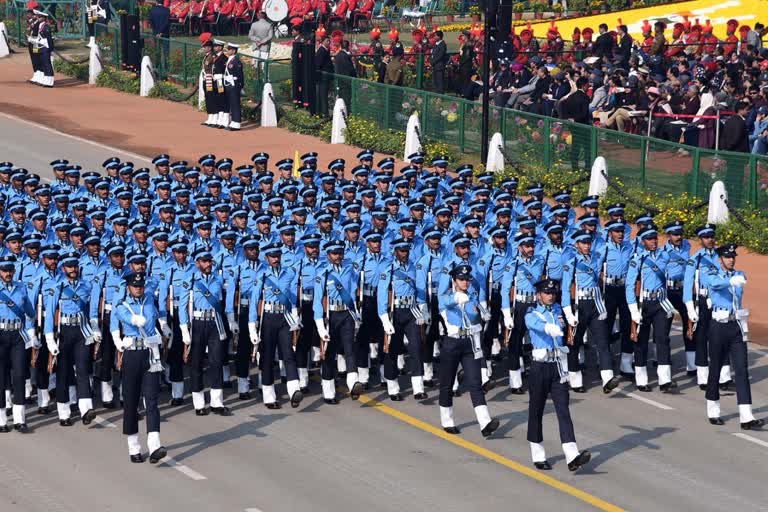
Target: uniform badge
418,266
75,297
317,279
655,268
507,268
338,287
481,262
29,285
566,268
11,304
383,276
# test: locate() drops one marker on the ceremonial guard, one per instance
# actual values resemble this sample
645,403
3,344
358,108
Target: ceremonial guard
549,377
206,76
43,46
177,273
201,323
462,313
308,340
584,309
69,338
646,290
337,317
729,333
371,332
95,12
428,269
616,256
233,87
272,318
17,334
34,52
678,250
139,354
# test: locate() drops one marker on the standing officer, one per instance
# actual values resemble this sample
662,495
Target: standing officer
16,313
650,308
616,256
460,310
586,310
233,87
273,306
201,324
140,367
402,308
178,272
678,250
69,344
517,295
728,337
549,376
337,318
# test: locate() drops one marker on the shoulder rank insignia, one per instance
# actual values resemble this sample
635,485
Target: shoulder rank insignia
566,268
184,284
383,276
481,262
318,280
418,266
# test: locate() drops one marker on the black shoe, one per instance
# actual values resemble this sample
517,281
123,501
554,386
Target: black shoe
716,421
403,372
296,399
5,429
176,402
202,412
66,423
580,460
420,396
627,375
644,389
516,391
703,387
456,393
429,383
158,454
750,425
109,405
88,417
725,385
691,373
30,401
23,428
331,401
374,362
304,390
452,430
543,466
579,389
245,396
342,376
356,391
137,459
490,428
489,385
611,385
232,129
669,387
45,410
460,376
273,406
396,398
221,411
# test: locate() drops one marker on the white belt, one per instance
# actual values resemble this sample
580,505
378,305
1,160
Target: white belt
137,345
307,297
703,292
674,284
589,293
722,316
336,306
545,355
204,315
10,325
69,320
176,303
525,297
403,302
369,291
652,295
107,307
271,307
455,331
245,302
218,76
615,280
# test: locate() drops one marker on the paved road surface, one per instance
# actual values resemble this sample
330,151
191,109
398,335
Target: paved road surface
650,451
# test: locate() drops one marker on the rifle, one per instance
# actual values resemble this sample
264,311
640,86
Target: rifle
169,310
56,329
390,305
190,309
361,285
545,272
489,288
236,308
326,315
505,333
633,327
295,334
690,326
100,313
604,270
38,322
574,300
259,316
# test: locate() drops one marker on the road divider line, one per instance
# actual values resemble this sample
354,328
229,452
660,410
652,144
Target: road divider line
181,468
534,474
648,401
751,439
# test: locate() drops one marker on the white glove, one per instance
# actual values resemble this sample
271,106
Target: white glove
569,316
117,340
321,330
33,341
485,311
253,333
635,313
165,329
50,341
232,323
692,315
96,336
553,329
460,298
94,324
138,320
508,320
389,329
185,336
424,309
294,324
737,281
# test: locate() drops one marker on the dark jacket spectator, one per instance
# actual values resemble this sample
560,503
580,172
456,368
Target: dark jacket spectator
160,20
735,136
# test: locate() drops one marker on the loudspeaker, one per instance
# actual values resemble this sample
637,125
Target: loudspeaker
131,42
504,18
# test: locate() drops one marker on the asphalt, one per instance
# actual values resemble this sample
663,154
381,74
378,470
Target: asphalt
650,451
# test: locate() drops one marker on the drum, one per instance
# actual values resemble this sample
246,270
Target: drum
277,10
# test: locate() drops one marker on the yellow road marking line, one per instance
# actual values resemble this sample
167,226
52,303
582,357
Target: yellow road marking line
493,456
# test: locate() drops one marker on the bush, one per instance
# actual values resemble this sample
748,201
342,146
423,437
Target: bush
123,81
167,90
78,71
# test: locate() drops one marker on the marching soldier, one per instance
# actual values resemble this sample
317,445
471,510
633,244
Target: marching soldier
177,272
584,309
17,334
402,308
139,349
272,317
69,336
616,256
649,307
201,323
428,269
678,250
337,319
461,310
371,333
729,333
549,377
308,267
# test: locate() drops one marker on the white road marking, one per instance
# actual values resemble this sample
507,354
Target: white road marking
647,400
99,145
751,439
253,509
191,473
104,422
